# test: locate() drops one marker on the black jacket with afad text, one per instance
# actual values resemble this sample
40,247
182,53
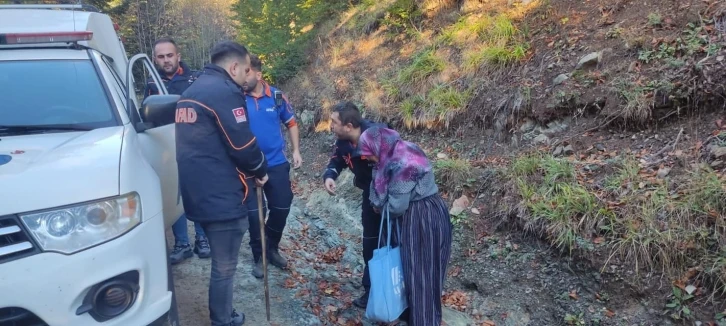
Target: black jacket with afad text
216,152
346,155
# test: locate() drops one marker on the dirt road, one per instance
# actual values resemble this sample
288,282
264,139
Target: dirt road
513,282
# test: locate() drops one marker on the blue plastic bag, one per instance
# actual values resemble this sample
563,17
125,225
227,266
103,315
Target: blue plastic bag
387,299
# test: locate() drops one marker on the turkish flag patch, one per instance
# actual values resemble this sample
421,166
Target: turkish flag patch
240,115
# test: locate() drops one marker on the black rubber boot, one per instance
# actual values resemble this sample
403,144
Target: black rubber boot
257,270
274,258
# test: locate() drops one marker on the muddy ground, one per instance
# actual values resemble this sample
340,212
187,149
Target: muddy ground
494,278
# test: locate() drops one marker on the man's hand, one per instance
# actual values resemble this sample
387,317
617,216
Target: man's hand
330,186
376,209
261,182
296,159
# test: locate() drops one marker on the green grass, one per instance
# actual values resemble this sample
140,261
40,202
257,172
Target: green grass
626,176
559,207
446,99
638,97
423,65
496,39
496,56
452,174
438,106
656,225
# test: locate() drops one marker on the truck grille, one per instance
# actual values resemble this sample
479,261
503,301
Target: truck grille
19,317
15,242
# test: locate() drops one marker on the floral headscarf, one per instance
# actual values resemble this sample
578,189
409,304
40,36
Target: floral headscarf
400,163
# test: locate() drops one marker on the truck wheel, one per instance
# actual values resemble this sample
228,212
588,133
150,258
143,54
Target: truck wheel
171,318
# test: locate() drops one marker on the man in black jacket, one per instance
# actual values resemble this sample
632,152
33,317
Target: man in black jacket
175,74
177,77
347,124
216,151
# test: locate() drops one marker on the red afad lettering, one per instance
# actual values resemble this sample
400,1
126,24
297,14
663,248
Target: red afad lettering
186,115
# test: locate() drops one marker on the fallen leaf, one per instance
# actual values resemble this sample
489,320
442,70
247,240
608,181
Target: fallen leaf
609,313
488,323
573,295
455,271
289,283
598,240
456,299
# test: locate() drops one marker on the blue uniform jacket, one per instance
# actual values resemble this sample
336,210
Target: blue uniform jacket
345,155
216,152
265,119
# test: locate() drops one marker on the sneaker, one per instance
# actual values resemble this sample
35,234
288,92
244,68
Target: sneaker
257,270
362,302
179,253
237,319
274,258
201,248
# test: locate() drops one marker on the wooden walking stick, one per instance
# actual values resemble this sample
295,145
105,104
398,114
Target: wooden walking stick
264,250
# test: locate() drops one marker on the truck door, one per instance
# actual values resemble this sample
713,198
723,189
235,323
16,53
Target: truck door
158,143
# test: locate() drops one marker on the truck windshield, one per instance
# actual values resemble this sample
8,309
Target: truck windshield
52,95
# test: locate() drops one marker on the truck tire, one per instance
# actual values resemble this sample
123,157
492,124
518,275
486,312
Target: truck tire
171,318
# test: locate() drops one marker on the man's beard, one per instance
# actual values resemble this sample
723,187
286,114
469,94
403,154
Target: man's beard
248,87
170,69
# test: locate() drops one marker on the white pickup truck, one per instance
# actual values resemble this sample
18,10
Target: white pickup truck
88,174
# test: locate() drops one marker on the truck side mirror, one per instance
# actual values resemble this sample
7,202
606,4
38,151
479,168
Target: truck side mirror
157,111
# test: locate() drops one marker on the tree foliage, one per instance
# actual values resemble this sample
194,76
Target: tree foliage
196,25
281,31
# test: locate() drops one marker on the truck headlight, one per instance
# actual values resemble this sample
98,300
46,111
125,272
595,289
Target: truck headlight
71,229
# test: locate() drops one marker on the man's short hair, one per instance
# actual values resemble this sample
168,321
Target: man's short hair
348,113
226,50
255,63
166,40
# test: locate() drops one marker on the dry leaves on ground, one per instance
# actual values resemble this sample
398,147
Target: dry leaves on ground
456,299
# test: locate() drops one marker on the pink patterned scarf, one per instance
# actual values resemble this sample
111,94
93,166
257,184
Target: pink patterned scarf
399,162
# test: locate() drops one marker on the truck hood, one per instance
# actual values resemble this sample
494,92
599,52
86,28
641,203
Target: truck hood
55,169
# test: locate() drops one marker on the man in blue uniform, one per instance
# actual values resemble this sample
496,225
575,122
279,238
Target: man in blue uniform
268,108
177,77
347,124
218,157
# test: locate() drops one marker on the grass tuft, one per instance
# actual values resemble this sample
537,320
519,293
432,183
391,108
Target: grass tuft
453,174
559,207
652,223
424,64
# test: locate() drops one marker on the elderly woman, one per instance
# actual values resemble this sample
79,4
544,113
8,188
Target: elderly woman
403,183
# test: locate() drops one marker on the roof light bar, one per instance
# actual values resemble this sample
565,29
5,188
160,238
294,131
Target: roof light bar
50,37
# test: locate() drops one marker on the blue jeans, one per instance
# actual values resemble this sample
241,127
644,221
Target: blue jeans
225,240
278,191
181,235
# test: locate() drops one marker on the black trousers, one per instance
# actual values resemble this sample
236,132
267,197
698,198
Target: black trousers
371,226
278,191
225,240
